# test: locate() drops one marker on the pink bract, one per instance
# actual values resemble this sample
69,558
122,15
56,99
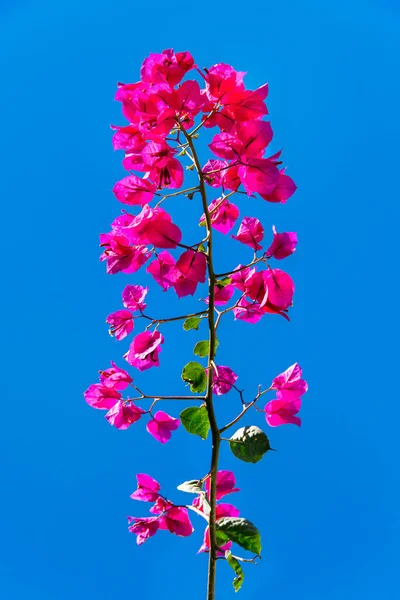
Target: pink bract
123,414
147,488
115,378
133,297
144,528
283,244
193,265
176,520
223,380
225,484
223,215
121,324
250,233
120,255
161,426
134,190
144,350
290,382
283,411
100,396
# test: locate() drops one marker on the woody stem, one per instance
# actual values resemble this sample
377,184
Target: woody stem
215,434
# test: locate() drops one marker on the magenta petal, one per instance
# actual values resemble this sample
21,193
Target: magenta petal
147,488
161,425
123,414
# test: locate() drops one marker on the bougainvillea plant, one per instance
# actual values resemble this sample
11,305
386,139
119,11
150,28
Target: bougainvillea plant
165,112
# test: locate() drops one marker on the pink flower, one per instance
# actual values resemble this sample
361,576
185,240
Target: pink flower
127,138
221,79
290,382
193,265
115,378
169,176
254,137
240,276
123,414
248,311
283,244
147,488
157,154
134,190
182,285
133,297
273,289
285,188
214,171
280,288
161,269
187,101
100,396
245,105
223,380
256,288
223,294
282,411
250,233
167,66
144,350
144,528
161,425
259,175
120,256
226,145
248,139
121,324
176,520
154,226
223,215
225,484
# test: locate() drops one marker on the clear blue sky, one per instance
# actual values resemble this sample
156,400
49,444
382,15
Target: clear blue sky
326,503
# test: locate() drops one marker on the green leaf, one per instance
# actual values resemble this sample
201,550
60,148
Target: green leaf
223,282
249,444
191,487
203,348
201,248
194,374
195,420
241,532
191,323
237,567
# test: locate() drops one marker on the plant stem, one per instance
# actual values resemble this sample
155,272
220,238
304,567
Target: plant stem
215,434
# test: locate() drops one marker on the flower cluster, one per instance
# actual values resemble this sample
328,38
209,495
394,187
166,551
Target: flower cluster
165,111
168,516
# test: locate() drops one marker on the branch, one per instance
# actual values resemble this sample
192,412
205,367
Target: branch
245,409
209,392
253,262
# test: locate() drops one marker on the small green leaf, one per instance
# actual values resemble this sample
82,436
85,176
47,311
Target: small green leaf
191,323
194,374
203,348
191,487
201,248
223,282
237,567
241,532
249,444
195,420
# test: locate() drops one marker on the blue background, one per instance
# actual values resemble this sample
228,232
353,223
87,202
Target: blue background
327,502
